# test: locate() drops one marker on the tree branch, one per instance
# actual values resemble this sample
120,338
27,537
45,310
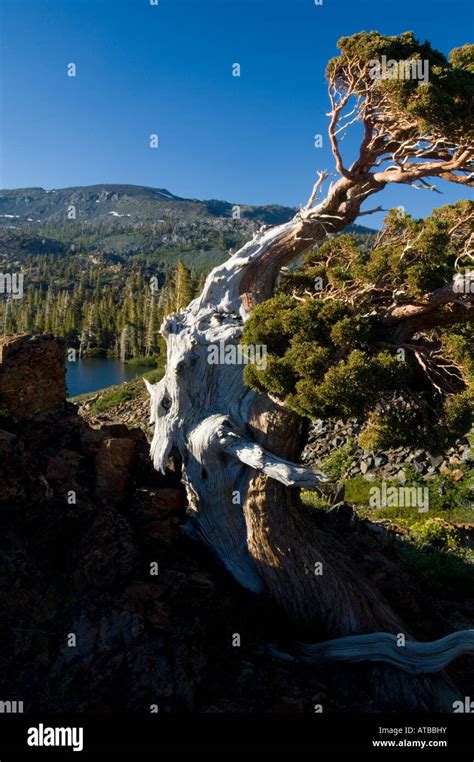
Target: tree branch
415,657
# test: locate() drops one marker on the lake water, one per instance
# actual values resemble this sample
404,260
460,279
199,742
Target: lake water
91,374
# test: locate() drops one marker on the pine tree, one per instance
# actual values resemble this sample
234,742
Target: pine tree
184,290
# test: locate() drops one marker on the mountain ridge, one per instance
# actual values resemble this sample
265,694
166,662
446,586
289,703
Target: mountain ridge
125,201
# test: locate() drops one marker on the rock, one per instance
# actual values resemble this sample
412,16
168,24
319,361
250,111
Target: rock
116,430
341,514
374,528
6,439
436,460
166,501
419,466
91,441
457,475
63,465
158,513
113,466
288,704
32,374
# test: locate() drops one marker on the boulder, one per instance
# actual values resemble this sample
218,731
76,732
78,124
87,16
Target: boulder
32,374
113,469
62,465
436,460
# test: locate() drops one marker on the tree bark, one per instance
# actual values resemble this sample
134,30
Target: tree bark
308,574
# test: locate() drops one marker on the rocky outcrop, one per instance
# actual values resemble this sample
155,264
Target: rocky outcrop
32,374
134,412
327,437
105,605
114,466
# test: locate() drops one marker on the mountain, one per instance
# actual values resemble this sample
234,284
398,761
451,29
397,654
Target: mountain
116,222
125,202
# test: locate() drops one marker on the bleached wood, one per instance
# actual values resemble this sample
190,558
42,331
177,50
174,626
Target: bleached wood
414,657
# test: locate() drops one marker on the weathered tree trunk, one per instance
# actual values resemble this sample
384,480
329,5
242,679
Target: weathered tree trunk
240,455
338,600
309,575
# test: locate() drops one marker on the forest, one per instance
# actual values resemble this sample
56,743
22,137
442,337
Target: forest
99,308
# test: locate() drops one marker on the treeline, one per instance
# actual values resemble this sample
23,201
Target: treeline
100,309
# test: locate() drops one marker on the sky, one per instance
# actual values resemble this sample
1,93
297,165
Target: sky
166,69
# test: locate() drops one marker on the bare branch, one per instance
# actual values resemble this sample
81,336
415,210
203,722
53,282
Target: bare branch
322,176
372,211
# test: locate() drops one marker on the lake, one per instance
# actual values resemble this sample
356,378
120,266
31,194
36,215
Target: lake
93,373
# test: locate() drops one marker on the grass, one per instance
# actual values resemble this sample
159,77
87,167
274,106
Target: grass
155,375
440,572
150,361
448,499
446,496
430,550
117,396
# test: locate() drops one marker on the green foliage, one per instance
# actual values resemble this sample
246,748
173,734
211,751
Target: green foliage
330,354
463,58
450,499
430,549
338,462
447,494
155,375
356,384
183,286
442,105
117,396
357,490
435,533
150,360
438,571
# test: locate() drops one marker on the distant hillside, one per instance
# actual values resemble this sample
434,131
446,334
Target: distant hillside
88,279
114,223
133,202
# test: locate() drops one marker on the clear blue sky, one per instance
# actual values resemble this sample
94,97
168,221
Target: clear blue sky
167,69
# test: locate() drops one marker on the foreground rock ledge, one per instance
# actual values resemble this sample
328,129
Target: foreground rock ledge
32,374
